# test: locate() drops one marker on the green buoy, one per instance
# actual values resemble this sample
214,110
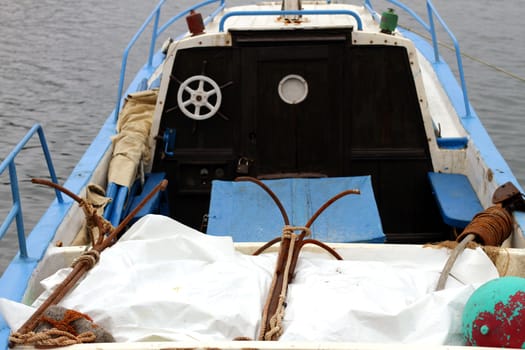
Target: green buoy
495,314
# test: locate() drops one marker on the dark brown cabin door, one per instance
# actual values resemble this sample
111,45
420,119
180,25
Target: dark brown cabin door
298,137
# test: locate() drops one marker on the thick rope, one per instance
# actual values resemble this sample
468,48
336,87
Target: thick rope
61,333
280,281
456,252
89,258
501,261
51,338
94,220
288,231
276,320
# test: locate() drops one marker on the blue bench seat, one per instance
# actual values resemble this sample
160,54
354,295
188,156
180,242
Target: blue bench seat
456,198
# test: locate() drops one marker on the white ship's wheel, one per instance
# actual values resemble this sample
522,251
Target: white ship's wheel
199,97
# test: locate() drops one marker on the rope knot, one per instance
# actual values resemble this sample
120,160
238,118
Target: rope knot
90,258
87,207
288,231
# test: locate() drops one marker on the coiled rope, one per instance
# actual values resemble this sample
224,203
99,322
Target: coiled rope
490,227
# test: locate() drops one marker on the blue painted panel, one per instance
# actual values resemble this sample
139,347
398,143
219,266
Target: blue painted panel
246,212
456,198
452,142
158,204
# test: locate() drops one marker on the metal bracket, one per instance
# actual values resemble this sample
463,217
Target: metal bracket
169,142
509,197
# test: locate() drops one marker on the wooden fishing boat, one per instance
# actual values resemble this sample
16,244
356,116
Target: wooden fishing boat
306,171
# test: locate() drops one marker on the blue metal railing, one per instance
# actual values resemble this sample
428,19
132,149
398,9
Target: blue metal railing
355,15
156,32
430,28
16,209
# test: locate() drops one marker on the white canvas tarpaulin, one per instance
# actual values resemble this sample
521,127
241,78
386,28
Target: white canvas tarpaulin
165,281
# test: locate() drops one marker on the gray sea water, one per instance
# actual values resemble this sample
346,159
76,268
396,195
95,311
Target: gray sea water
60,62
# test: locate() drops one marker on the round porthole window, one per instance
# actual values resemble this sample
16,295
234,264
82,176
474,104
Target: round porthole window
293,89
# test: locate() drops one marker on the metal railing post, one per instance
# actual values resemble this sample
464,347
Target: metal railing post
16,210
49,162
153,37
433,32
431,29
17,206
459,61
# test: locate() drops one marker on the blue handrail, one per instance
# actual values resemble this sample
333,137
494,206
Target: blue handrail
430,28
156,32
432,11
16,209
154,16
187,11
291,12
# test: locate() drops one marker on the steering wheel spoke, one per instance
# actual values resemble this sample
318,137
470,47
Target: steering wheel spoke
210,93
189,90
208,105
201,86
